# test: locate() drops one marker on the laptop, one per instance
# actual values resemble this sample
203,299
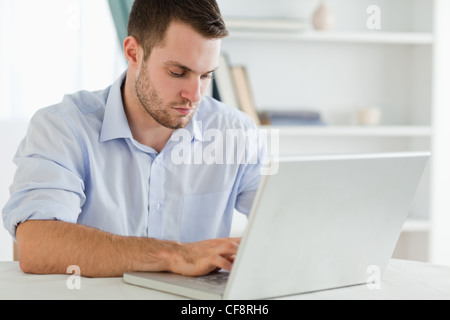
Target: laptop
321,222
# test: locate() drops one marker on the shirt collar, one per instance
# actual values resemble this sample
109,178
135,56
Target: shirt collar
115,122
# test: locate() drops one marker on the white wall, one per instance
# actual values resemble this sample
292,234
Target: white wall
11,133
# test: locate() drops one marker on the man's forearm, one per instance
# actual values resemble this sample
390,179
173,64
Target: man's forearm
50,247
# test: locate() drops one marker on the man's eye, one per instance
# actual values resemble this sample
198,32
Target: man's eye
208,76
176,75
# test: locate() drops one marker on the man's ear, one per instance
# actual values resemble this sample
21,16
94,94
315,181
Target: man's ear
133,51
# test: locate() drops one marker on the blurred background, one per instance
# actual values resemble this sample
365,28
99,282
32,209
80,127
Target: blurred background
351,76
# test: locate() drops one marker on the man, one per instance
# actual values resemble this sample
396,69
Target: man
97,183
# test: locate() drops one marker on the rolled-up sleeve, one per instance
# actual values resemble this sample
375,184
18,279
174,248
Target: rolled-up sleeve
48,183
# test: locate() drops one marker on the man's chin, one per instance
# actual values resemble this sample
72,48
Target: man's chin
181,124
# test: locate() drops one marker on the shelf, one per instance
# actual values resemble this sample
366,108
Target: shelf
411,38
355,131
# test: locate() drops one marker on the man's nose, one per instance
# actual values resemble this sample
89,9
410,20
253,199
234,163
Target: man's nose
192,90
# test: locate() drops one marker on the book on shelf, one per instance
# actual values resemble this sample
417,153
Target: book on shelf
266,24
224,88
292,118
244,93
231,85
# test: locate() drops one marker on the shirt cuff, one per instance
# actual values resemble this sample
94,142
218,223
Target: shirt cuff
37,210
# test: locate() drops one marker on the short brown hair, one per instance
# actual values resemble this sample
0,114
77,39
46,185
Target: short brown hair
150,19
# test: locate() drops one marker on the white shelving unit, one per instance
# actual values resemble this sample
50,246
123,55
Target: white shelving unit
412,38
355,131
336,72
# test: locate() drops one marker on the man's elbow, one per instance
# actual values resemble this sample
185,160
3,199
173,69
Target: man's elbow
25,260
26,267
30,255
27,263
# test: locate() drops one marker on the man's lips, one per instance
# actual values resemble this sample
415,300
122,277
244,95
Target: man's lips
184,111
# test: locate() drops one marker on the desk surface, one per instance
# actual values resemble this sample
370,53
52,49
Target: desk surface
402,280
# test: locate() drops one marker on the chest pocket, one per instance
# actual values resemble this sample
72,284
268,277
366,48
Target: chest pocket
205,216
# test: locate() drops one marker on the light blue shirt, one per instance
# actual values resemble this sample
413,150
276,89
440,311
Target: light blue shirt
80,164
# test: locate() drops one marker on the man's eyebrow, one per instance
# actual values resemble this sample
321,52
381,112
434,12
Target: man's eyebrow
185,68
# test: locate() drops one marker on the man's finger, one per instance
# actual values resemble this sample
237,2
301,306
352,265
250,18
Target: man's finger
224,263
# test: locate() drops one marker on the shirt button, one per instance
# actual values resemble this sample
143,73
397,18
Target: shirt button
157,206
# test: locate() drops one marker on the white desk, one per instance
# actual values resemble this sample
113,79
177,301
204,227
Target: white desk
403,280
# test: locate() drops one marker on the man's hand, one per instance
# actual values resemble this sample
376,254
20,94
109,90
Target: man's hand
201,258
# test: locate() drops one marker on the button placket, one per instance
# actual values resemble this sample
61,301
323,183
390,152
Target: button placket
156,196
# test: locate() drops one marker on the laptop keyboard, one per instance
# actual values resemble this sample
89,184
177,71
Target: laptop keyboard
215,279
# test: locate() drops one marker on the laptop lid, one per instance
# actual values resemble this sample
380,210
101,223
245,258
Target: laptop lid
324,222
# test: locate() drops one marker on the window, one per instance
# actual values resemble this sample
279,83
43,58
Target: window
49,48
